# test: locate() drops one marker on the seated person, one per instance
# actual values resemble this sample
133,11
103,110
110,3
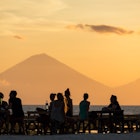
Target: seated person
118,113
113,106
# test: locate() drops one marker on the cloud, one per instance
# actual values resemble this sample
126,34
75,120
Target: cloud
28,15
101,29
11,34
18,37
31,8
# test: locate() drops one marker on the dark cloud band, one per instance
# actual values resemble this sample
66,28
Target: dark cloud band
101,29
17,37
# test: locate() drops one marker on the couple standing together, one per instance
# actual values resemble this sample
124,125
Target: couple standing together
59,110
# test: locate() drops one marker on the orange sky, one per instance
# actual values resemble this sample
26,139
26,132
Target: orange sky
95,37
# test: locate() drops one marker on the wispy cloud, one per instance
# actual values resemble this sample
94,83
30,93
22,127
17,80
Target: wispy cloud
101,29
11,33
18,37
31,8
27,15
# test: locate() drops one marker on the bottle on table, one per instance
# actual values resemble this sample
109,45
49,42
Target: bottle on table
47,106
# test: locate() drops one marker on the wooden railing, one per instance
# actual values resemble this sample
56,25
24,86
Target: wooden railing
103,123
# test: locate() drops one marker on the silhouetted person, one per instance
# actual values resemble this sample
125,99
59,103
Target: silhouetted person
84,110
57,115
3,104
68,103
4,113
17,111
117,116
114,105
84,107
52,98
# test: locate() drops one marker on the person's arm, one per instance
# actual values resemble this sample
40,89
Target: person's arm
88,106
10,104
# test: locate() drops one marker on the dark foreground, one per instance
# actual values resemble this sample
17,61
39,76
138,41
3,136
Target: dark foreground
112,136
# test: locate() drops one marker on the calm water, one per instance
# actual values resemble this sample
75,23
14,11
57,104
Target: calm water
127,109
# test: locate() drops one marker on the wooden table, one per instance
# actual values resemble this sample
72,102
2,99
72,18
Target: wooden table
34,122
109,121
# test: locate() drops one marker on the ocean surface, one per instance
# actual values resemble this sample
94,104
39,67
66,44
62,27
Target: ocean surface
127,109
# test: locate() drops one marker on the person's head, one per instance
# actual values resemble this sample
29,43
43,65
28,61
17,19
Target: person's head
60,96
13,94
67,92
52,96
85,96
113,98
1,95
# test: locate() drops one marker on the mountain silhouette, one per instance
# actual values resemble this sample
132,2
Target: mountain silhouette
39,75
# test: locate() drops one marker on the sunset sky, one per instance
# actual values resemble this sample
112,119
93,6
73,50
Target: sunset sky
99,38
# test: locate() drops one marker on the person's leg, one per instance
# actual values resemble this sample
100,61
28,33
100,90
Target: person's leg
21,125
61,128
53,127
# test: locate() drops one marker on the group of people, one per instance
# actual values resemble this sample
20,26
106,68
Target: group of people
11,111
60,108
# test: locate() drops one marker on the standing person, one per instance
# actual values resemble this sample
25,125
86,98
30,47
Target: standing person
4,113
57,115
68,104
84,109
52,98
17,111
3,104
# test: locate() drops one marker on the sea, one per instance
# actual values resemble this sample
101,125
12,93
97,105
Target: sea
127,109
